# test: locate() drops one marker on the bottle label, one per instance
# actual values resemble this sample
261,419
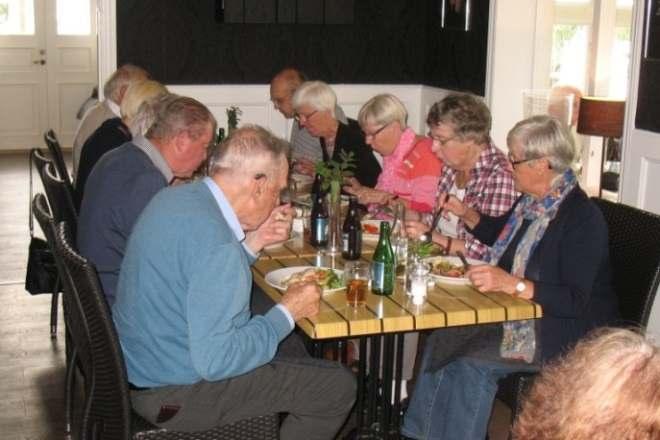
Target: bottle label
344,242
320,232
377,276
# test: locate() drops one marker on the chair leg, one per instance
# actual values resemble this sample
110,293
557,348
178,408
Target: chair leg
68,391
53,309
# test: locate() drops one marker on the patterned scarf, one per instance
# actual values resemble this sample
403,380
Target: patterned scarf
519,340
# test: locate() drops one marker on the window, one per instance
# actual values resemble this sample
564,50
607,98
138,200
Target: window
16,17
73,17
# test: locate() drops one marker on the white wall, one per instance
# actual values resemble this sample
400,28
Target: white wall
511,62
641,154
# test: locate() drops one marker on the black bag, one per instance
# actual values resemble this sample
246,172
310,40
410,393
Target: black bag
41,275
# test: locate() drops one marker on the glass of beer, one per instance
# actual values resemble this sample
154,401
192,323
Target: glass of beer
356,277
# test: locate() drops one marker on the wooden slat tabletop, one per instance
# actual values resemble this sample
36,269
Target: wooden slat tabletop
446,305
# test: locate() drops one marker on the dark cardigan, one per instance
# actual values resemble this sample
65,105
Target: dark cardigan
570,269
351,138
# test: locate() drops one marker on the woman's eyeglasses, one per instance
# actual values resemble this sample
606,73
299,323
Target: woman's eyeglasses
375,133
298,117
518,162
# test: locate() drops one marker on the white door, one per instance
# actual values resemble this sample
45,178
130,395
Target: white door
47,68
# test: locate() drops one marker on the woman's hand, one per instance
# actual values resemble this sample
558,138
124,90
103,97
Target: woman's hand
365,194
487,278
415,229
451,204
304,166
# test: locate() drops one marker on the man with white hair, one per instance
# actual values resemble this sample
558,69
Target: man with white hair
196,356
113,92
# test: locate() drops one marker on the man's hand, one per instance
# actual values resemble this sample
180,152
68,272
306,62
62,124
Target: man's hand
275,229
302,300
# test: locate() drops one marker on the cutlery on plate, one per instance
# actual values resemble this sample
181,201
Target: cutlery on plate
463,260
426,237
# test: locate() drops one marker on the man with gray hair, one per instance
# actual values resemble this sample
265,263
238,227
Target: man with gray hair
305,148
196,356
113,92
125,179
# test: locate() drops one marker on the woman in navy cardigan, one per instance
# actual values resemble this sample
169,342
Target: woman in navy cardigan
551,247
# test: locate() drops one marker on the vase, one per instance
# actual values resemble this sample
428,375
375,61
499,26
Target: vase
334,219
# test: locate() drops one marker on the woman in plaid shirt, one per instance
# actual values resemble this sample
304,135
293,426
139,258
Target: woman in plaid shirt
475,170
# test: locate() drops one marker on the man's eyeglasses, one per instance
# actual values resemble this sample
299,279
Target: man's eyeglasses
375,133
298,117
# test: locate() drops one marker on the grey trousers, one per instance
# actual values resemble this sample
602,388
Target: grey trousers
317,395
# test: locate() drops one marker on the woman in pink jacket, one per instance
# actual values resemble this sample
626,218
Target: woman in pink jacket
410,169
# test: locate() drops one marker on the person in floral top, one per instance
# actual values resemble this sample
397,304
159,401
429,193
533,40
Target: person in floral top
410,169
476,171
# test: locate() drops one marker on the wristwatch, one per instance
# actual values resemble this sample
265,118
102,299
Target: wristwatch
520,287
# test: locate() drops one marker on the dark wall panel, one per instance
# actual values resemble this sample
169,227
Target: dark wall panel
390,41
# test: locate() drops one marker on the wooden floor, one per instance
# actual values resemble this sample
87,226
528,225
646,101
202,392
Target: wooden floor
31,363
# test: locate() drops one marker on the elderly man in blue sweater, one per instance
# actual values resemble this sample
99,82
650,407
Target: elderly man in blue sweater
196,357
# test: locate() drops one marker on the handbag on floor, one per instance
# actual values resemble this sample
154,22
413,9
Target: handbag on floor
41,275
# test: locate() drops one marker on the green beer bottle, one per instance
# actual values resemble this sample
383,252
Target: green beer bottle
382,266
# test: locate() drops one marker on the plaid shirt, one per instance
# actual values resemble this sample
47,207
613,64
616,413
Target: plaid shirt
490,190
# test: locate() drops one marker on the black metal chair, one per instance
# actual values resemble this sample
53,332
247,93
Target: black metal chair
106,406
41,163
634,247
47,223
59,199
57,156
634,244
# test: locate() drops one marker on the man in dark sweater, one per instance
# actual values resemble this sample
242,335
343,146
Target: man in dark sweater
125,179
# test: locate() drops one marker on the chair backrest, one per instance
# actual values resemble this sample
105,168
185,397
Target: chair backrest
40,161
59,198
58,158
107,395
634,245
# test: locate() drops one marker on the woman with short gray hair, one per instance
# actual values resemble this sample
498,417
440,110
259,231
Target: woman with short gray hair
410,169
551,248
314,105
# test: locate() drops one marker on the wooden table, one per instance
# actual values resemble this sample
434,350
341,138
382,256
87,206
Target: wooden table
381,323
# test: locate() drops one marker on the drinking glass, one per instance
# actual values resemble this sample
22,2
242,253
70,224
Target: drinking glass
356,277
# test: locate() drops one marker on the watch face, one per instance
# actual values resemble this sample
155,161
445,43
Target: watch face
520,287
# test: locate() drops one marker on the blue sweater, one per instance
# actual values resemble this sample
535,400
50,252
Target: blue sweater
119,187
182,310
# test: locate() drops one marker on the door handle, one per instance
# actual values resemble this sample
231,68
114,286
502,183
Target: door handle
42,62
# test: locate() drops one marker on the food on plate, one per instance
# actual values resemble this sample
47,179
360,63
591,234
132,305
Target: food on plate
446,269
370,228
327,279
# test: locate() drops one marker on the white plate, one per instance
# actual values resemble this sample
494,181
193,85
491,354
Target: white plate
453,260
276,277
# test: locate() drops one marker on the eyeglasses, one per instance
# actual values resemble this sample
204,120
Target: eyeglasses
441,142
518,162
298,117
375,133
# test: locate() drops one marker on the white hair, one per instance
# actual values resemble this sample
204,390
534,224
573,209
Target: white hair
316,94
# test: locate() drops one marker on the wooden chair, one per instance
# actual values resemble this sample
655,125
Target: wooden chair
634,247
106,408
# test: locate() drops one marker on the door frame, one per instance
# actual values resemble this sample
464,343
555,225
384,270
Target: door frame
106,14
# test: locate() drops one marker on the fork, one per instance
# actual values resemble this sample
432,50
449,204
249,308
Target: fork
463,260
426,237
